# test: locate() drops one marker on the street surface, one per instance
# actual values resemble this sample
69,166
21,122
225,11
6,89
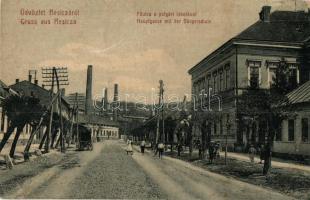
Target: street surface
107,172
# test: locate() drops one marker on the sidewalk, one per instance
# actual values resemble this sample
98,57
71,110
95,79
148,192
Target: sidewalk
276,162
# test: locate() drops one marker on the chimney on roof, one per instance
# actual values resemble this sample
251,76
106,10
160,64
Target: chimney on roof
43,85
264,14
29,78
36,82
17,80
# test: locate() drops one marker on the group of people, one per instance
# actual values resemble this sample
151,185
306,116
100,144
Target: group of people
159,148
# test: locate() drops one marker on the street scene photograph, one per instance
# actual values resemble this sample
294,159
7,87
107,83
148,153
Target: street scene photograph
157,99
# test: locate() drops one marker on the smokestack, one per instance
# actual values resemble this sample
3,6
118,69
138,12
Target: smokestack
115,102
105,106
115,92
29,78
88,103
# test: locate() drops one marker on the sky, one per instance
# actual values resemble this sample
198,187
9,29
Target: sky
107,36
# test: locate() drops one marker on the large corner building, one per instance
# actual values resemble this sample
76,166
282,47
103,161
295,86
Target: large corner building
251,58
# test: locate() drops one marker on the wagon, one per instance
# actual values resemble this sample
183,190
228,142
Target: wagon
85,139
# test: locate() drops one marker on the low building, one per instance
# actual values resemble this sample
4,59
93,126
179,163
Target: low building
101,127
294,139
29,88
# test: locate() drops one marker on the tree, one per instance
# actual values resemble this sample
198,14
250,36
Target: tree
21,110
265,105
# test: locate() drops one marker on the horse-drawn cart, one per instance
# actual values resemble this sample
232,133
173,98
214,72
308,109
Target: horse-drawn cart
85,139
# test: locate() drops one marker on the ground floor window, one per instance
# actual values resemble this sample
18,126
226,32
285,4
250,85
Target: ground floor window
278,134
304,129
215,128
291,130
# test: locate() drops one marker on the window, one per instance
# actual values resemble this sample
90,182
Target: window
221,127
272,68
293,77
279,134
227,76
221,82
214,82
304,129
272,75
254,68
208,82
291,130
215,128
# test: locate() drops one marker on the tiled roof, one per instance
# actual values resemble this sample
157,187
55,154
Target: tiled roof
284,26
300,94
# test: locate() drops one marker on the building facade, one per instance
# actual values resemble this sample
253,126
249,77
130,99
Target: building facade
249,59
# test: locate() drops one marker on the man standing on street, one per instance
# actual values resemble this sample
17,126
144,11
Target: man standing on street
160,149
252,152
142,146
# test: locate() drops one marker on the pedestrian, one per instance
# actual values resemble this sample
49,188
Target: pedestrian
129,147
262,153
156,149
211,152
252,152
160,149
142,146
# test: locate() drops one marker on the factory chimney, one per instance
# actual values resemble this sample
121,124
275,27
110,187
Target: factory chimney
30,78
88,102
115,102
105,106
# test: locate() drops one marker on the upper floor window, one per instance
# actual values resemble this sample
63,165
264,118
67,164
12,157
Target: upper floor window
221,80
254,73
272,68
214,82
208,82
227,75
293,75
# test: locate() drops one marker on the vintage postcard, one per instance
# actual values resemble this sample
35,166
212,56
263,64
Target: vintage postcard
155,99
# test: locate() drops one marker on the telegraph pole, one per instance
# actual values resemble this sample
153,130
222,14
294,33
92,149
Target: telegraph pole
160,106
60,76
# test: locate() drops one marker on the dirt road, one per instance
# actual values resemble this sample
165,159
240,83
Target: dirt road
107,172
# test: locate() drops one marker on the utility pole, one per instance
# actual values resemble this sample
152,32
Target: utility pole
160,106
77,121
60,76
164,139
